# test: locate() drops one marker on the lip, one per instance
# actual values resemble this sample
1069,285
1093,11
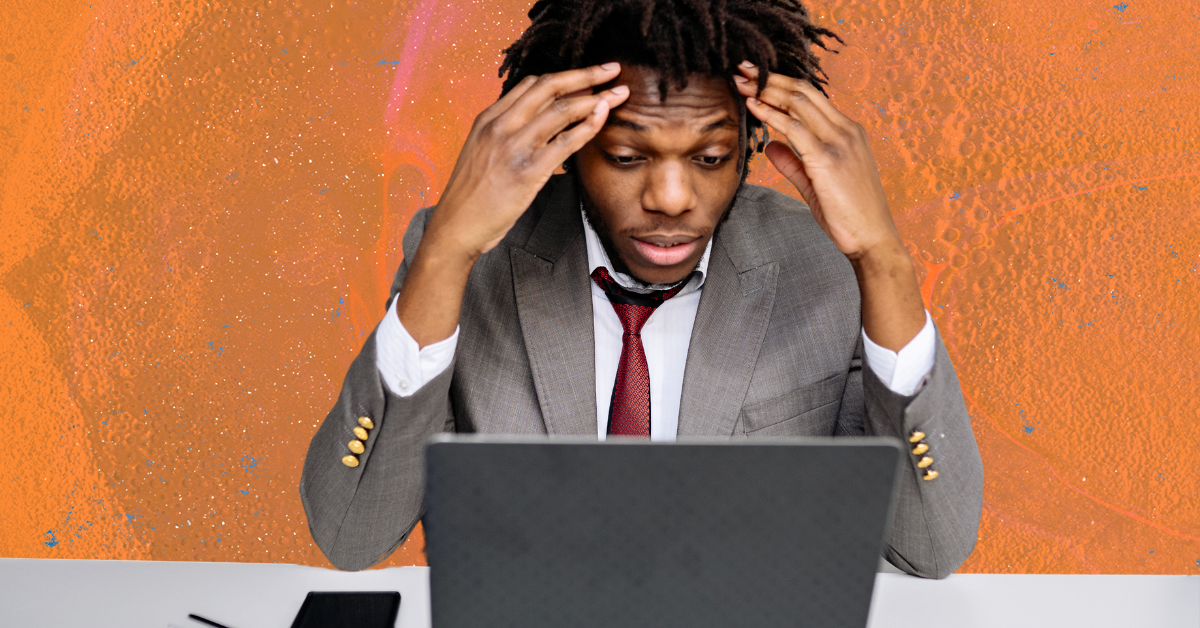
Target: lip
665,250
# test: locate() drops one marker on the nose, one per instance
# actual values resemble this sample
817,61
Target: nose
668,189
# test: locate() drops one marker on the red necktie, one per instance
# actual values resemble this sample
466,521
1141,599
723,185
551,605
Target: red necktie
629,412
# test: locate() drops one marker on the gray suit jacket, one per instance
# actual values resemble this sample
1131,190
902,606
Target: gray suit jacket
775,351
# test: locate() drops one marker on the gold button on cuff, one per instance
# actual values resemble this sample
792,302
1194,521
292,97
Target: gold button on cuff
366,422
350,461
357,447
360,433
920,449
916,437
929,475
921,464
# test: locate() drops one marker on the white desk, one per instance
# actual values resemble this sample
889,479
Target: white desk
124,594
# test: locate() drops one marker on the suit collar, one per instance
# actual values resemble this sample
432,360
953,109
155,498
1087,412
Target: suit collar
553,293
554,308
731,323
557,223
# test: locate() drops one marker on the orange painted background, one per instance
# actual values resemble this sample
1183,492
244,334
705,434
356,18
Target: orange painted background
202,203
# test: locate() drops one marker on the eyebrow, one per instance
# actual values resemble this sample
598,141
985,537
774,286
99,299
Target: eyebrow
629,124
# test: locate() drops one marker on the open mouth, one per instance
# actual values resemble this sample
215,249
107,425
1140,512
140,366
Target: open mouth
662,251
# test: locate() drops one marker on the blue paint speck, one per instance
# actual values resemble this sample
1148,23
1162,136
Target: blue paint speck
249,462
1028,429
51,541
1121,7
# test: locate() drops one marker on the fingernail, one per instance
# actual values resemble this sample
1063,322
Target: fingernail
746,64
601,107
740,79
610,66
754,101
620,90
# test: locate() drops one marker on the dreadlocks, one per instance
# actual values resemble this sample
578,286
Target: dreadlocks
675,37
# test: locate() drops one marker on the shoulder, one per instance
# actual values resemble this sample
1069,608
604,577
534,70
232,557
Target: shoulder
557,205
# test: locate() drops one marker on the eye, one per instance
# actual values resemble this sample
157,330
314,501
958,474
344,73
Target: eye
622,160
713,160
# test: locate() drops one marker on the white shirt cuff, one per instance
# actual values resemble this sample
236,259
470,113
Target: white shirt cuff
404,366
903,372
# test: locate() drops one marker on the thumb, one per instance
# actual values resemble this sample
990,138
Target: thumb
791,167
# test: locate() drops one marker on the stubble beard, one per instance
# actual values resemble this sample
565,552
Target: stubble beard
604,230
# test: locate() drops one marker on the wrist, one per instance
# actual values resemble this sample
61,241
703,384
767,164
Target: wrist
445,256
889,259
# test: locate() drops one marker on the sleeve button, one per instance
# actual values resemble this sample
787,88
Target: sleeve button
356,446
920,449
360,433
916,437
350,461
366,422
929,475
923,463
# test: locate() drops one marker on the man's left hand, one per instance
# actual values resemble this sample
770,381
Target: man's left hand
829,160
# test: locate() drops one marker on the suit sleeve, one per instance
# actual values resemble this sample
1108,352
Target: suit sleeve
359,515
935,522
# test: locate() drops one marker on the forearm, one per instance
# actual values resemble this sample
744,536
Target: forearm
935,521
892,311
430,301
359,514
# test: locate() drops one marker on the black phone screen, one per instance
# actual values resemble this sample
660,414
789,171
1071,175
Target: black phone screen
357,609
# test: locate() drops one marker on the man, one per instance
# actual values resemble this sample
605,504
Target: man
650,292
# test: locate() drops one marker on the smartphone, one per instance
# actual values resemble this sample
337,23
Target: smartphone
348,609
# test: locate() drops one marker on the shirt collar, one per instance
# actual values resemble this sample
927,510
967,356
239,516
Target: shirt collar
597,257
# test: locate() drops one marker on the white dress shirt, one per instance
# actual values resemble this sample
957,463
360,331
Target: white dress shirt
405,367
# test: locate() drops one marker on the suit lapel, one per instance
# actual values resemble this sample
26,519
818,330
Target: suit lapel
554,307
731,322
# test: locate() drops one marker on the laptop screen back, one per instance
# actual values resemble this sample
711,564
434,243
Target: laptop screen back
552,533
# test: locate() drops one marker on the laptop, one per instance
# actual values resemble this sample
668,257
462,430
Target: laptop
541,533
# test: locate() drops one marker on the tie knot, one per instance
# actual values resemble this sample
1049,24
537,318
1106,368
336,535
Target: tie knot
633,308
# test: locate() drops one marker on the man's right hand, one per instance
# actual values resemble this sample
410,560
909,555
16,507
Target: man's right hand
512,149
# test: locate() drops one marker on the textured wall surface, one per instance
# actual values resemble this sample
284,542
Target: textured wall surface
201,205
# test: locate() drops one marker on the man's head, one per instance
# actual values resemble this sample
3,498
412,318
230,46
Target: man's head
661,175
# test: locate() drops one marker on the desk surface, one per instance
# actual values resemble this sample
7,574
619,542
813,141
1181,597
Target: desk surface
128,594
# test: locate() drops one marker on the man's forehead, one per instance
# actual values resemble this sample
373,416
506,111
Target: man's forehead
706,101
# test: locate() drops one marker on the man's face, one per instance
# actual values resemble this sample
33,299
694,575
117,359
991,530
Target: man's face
661,174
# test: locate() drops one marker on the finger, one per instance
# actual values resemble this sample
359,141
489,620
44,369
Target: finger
506,101
796,131
786,84
551,87
564,112
799,106
570,141
791,167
